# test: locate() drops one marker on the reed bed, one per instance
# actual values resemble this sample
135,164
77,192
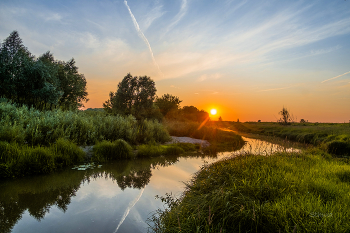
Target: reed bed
30,126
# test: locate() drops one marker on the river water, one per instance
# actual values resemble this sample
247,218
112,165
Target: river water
115,197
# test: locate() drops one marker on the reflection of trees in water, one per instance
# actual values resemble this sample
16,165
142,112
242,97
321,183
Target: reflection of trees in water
39,194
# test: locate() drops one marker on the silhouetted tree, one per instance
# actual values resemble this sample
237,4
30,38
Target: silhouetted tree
285,117
135,96
167,103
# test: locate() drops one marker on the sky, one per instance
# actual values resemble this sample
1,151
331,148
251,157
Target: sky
247,59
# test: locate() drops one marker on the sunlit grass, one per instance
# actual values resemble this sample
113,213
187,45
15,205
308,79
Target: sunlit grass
280,193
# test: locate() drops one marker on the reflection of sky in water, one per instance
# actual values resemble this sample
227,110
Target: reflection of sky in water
256,146
100,204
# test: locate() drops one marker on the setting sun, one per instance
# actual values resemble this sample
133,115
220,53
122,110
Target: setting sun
213,111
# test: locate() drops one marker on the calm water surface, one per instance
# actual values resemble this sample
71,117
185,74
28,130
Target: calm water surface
118,197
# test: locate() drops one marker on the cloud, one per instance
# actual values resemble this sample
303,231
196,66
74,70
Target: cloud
335,77
142,36
178,16
152,15
205,77
276,89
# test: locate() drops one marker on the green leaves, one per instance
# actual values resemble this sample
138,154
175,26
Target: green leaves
135,96
43,82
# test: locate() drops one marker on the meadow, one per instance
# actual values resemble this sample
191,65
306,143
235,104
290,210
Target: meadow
284,192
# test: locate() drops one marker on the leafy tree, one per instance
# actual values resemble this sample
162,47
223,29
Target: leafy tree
14,60
135,96
42,83
167,103
72,85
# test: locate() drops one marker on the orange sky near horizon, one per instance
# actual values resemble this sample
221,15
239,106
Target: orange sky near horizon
247,59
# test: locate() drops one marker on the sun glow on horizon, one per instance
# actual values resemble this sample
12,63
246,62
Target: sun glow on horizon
213,112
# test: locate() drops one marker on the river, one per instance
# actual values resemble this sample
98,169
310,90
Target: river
114,197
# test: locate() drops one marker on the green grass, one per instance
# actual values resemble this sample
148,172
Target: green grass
284,192
149,150
22,160
30,126
333,138
106,150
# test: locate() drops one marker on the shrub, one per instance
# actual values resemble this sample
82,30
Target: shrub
106,150
338,148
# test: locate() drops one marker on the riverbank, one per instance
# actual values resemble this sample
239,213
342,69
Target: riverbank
284,192
333,138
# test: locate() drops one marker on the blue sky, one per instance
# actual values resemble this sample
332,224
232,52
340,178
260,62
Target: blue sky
248,59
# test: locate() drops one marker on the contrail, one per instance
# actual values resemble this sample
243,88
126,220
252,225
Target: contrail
336,77
137,27
128,210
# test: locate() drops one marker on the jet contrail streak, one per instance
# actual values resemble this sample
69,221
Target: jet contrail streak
336,77
128,210
137,27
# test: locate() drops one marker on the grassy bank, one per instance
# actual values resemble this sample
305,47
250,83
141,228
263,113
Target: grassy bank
220,140
279,193
331,137
22,160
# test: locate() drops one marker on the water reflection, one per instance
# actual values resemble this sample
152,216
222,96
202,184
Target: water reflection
36,196
259,147
100,199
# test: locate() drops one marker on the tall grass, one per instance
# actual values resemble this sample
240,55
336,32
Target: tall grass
106,150
21,160
30,126
279,193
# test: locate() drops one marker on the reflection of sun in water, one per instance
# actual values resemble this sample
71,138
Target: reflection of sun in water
213,111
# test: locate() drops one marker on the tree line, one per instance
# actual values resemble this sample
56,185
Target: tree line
43,82
137,96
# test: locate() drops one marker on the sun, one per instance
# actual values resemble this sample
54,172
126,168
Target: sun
213,111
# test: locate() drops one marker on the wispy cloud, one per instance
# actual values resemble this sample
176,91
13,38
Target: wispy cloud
205,77
335,77
276,89
142,36
152,15
178,16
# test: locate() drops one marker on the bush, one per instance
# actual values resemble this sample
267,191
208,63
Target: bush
18,161
338,148
106,150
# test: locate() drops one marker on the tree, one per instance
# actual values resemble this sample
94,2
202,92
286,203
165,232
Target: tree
135,96
41,83
72,85
14,59
286,118
167,103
